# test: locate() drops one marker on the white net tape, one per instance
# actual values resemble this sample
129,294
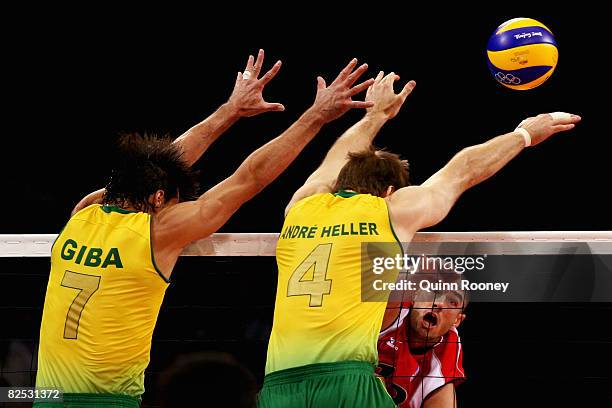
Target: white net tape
264,244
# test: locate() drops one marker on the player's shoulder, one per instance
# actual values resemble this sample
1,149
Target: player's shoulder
86,212
100,214
407,195
313,199
340,201
352,199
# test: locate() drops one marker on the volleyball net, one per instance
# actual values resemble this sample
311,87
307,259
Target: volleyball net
223,291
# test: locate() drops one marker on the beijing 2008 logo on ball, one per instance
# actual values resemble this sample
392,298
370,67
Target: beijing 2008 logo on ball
522,53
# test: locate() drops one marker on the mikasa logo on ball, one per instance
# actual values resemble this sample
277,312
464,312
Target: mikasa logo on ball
520,58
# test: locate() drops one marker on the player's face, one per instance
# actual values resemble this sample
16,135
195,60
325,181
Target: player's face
434,313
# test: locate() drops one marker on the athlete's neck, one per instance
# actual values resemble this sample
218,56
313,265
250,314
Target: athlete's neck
126,206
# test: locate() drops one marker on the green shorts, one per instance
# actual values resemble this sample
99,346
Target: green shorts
92,401
350,384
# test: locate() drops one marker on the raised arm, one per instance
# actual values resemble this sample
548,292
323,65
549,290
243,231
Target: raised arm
181,224
245,100
386,105
416,207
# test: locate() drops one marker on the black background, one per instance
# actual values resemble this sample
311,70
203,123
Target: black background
73,83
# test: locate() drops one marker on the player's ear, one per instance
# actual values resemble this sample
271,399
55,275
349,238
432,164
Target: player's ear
460,318
389,191
157,199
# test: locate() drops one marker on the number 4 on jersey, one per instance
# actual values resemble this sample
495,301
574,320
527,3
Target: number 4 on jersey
318,285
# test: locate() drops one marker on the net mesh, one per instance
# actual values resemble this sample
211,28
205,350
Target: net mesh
554,353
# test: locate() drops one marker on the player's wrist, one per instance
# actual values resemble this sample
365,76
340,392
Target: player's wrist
377,116
314,117
231,110
525,135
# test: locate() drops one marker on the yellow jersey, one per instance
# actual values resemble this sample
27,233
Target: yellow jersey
320,315
102,302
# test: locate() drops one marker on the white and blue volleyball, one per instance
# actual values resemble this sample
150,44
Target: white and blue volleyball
522,53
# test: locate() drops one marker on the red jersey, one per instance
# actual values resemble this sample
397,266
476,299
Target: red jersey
410,378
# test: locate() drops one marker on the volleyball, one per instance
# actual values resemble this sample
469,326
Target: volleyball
522,53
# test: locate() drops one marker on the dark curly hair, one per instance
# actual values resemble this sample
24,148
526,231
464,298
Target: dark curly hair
145,164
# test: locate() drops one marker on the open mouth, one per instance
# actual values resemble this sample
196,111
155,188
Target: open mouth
430,319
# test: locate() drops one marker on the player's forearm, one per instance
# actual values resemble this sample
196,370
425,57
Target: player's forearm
198,139
477,163
357,138
269,161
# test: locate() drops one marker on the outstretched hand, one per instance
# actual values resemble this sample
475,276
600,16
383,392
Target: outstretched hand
247,96
335,100
385,100
545,125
